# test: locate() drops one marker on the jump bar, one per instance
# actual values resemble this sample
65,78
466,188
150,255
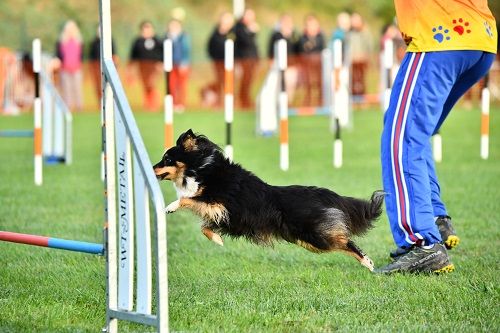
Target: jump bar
16,133
55,243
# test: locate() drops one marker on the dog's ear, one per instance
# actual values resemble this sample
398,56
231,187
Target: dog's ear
187,140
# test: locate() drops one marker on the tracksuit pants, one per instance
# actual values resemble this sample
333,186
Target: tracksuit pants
427,86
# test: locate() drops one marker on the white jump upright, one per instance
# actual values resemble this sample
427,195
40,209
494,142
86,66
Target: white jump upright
485,119
229,95
130,188
283,105
168,100
37,109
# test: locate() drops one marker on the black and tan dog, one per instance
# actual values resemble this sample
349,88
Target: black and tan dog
233,201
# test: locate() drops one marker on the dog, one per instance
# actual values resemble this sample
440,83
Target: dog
233,201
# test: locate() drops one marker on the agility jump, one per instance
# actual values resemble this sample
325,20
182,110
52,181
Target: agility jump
130,187
52,132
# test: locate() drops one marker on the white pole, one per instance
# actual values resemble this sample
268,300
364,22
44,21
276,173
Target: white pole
437,147
168,101
37,105
283,105
485,120
238,8
229,95
340,103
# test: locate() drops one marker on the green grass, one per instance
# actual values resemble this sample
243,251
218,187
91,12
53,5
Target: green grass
241,287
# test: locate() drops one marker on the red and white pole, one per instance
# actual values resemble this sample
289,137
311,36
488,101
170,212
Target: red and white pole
229,95
485,119
37,109
283,105
168,100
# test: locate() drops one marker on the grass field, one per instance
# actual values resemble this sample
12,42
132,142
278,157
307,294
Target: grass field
241,287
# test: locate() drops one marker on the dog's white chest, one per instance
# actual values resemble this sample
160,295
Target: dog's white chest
188,190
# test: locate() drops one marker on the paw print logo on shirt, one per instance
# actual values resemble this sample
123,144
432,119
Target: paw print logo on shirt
461,26
441,34
487,28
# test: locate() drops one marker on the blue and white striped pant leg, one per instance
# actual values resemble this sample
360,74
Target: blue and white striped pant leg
420,91
426,88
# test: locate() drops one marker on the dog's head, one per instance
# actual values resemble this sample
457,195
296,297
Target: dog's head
191,153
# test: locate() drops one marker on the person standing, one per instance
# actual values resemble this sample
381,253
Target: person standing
181,58
95,62
285,30
69,51
213,93
147,54
451,45
246,54
310,45
360,50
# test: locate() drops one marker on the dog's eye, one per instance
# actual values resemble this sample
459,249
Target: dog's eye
168,160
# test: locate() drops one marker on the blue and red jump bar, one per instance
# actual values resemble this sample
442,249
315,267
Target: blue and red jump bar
54,243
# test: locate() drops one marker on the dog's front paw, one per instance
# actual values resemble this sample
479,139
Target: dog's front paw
172,207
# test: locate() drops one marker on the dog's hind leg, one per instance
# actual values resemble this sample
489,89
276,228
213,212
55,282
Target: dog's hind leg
213,236
353,250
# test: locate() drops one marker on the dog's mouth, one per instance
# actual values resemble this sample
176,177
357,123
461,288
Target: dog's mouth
162,173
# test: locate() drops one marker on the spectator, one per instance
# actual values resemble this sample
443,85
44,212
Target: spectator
360,48
310,45
341,32
181,49
246,53
213,93
95,62
285,30
147,53
69,51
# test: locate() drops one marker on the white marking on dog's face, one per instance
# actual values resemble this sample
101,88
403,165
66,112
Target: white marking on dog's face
187,191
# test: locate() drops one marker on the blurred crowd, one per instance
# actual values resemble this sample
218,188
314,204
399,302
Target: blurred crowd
303,77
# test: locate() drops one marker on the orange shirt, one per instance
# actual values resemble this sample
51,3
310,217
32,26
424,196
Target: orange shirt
442,25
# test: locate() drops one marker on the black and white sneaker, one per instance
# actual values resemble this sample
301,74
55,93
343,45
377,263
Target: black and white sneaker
448,234
419,259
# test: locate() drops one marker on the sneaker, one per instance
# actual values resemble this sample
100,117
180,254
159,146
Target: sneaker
419,259
399,251
448,234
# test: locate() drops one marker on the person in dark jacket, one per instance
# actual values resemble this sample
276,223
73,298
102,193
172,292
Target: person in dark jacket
246,54
147,53
213,93
95,62
285,30
310,45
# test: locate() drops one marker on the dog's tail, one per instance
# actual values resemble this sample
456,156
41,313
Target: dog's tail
363,213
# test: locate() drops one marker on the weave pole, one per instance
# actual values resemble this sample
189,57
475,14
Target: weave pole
229,95
388,64
485,119
283,105
337,69
37,105
437,147
168,100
